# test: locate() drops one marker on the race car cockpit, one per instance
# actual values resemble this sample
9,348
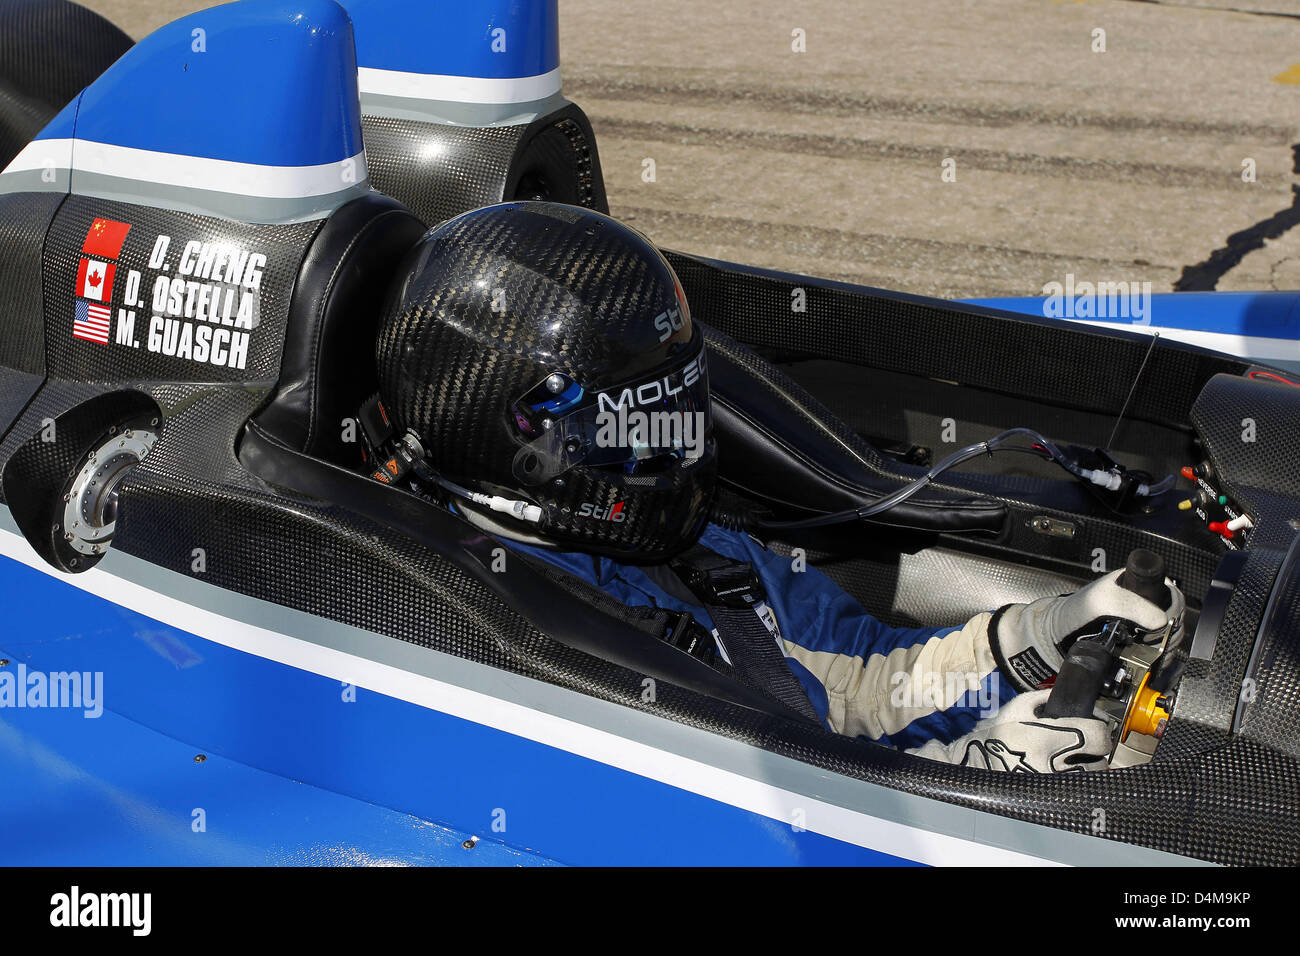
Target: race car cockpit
144,410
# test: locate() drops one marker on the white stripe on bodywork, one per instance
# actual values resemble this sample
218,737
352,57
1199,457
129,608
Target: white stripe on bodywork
1256,347
459,89
192,172
41,154
677,770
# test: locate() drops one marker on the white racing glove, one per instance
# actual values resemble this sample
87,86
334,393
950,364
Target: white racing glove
1017,740
1030,640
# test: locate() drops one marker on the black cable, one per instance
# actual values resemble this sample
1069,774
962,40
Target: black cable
902,494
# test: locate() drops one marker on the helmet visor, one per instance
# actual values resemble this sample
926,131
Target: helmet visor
639,427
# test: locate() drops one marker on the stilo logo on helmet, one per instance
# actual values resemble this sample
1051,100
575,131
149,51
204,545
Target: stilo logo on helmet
669,322
589,390
614,512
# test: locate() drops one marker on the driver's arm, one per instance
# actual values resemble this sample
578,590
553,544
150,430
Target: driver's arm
901,687
909,687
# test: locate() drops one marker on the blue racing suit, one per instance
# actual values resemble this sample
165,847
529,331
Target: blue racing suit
900,687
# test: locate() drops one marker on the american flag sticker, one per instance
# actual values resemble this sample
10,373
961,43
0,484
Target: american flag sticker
91,322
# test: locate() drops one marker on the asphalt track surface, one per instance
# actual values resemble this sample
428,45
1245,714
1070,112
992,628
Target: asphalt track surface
1125,164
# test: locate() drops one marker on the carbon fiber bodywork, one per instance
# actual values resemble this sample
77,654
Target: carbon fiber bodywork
1224,784
152,288
440,170
24,220
52,48
1265,708
1250,433
178,288
1074,366
1028,499
1209,692
49,50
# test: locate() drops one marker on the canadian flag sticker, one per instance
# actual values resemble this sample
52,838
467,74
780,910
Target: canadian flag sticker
95,279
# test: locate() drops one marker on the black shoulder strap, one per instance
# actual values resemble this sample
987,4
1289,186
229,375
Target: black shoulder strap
731,592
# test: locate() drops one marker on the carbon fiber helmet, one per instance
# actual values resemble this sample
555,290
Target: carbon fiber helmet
546,352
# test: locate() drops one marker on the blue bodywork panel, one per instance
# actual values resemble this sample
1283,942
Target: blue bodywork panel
378,778
260,81
1267,314
451,38
125,795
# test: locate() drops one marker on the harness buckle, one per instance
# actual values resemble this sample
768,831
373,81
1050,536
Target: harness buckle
720,582
689,636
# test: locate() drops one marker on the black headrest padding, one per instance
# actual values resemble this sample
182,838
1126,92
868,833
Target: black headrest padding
328,367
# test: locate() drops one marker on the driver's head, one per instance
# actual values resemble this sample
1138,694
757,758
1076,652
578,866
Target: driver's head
546,352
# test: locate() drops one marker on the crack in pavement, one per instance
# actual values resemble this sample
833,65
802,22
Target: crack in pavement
1204,276
1272,271
1195,6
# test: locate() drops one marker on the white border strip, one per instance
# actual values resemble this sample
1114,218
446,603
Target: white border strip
192,172
740,791
1256,347
458,89
41,154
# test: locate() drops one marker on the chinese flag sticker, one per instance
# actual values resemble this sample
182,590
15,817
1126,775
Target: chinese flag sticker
95,279
104,238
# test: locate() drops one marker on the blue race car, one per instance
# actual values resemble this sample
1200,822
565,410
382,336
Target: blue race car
197,234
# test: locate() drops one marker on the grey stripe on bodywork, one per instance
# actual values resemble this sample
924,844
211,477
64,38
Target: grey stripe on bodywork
34,181
733,756
211,202
451,113
205,202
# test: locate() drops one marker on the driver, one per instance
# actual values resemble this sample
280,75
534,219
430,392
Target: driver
540,370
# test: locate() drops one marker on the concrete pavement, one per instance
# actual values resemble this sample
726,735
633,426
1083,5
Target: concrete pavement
1122,164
